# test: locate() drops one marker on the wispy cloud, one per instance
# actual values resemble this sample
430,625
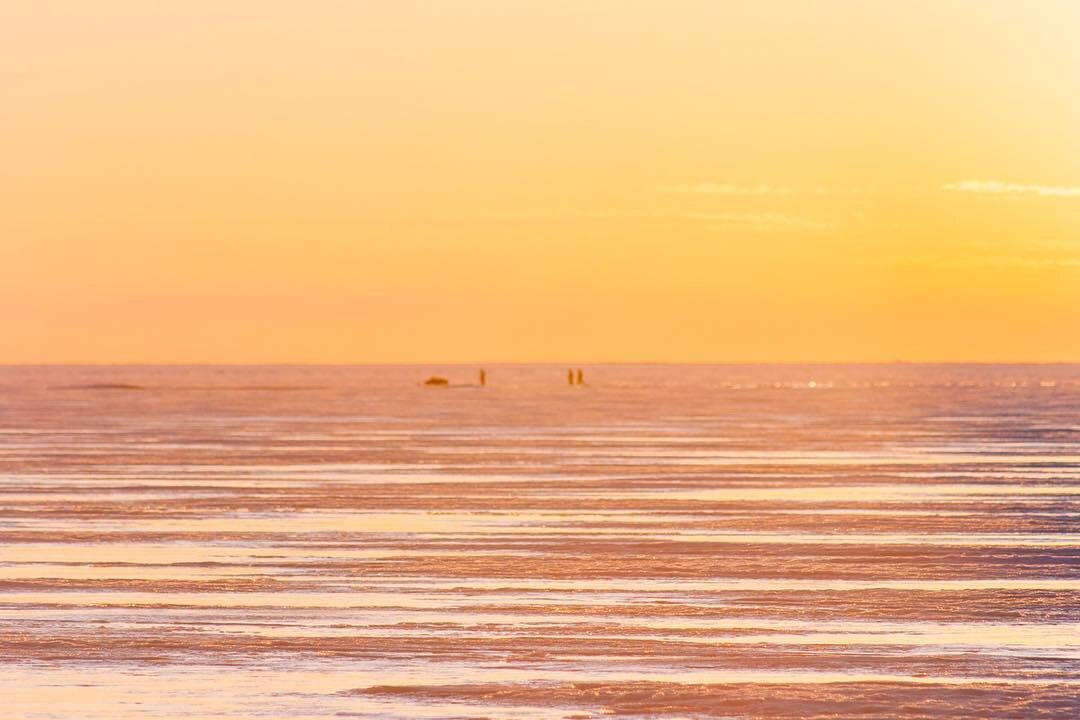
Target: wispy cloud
762,189
996,187
760,220
742,221
724,189
1000,261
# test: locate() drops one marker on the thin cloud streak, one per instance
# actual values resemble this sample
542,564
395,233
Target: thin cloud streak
761,189
996,187
760,220
725,189
733,220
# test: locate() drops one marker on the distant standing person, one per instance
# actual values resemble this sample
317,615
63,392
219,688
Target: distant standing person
483,378
580,377
570,376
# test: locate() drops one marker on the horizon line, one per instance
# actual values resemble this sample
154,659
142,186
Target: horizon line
560,363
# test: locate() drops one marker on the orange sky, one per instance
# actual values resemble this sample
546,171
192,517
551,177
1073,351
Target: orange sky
501,180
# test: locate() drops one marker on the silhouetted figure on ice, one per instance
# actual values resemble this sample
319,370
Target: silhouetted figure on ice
570,376
580,377
483,378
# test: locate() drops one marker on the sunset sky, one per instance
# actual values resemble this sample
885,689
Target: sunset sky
552,180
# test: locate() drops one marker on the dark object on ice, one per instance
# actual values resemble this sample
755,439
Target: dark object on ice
483,378
580,377
436,381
